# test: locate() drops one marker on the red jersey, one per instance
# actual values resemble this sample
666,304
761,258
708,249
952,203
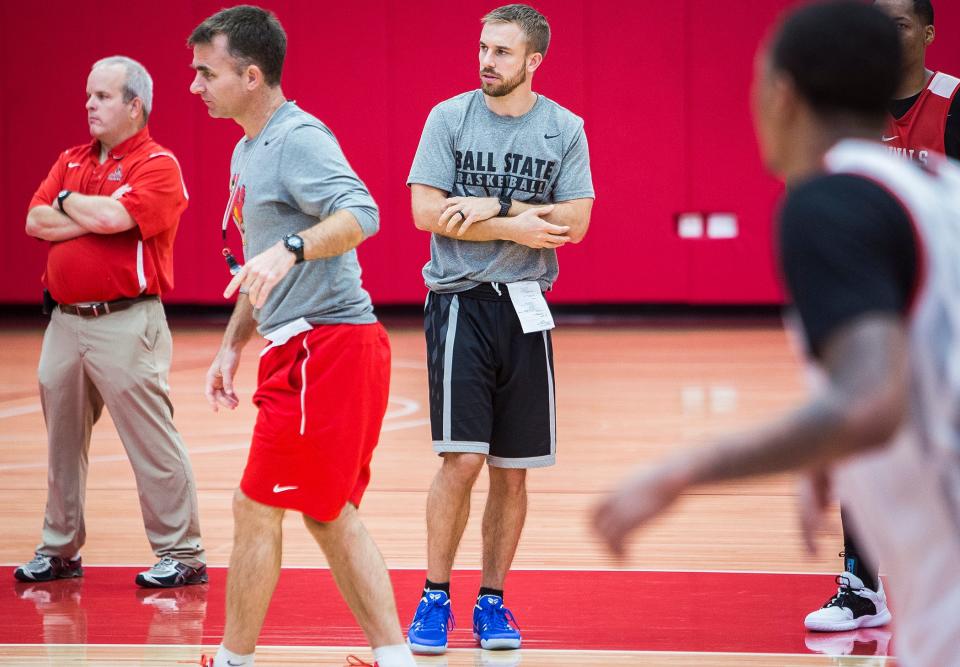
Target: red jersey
922,128
106,267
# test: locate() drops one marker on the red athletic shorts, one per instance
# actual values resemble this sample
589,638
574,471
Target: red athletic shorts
322,396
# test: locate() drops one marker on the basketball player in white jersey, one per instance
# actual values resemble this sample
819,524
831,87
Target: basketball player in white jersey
869,248
924,118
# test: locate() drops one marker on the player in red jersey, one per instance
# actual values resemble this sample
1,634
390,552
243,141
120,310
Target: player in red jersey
925,116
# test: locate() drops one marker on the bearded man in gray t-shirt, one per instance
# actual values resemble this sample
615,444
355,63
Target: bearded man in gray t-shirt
501,180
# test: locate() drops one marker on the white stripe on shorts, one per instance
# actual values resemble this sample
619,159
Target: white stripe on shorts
448,365
553,404
303,388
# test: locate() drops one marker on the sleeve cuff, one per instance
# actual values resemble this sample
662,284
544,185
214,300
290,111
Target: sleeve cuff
559,198
368,220
446,187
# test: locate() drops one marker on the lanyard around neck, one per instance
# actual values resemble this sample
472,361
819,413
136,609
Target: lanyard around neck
232,264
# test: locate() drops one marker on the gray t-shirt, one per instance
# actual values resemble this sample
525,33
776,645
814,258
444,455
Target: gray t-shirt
467,150
292,175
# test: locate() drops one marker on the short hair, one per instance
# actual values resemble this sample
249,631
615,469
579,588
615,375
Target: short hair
924,11
138,83
843,56
533,24
254,35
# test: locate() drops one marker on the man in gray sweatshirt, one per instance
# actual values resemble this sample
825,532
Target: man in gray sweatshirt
324,377
501,180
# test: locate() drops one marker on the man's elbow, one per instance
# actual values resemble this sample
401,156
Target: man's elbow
354,237
34,226
872,423
366,219
578,231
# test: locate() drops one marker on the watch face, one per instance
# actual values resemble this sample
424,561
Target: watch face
294,241
62,193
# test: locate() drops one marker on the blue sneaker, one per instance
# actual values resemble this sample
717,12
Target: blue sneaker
428,631
492,624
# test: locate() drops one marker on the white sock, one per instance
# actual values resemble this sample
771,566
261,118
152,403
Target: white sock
395,655
225,658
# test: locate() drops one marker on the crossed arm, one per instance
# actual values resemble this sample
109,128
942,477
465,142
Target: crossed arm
82,214
475,219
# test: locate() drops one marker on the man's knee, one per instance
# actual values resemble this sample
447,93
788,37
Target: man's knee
347,514
508,481
334,531
463,468
248,512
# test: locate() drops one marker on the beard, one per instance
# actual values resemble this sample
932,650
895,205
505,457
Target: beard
504,86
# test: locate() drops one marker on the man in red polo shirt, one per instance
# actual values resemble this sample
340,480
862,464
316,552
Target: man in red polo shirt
110,209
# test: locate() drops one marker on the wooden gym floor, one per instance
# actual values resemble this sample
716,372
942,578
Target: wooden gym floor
626,393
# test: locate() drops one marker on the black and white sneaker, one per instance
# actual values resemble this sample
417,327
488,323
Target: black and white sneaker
169,573
48,568
854,606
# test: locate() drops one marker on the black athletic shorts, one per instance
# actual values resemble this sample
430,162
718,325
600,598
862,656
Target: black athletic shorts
491,385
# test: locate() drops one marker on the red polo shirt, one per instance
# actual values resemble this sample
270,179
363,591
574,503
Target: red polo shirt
106,267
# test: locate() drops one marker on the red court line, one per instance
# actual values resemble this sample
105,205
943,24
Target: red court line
557,609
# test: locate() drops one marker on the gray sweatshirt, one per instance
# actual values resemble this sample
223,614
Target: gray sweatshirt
467,150
292,175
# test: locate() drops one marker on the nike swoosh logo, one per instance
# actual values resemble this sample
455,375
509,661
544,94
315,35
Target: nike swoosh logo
888,138
71,165
234,664
280,489
551,136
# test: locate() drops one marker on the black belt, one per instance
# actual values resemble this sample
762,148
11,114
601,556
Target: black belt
104,307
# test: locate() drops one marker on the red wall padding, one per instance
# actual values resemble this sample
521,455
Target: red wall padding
663,86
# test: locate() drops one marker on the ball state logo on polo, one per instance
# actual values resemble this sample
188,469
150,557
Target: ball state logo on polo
511,173
236,205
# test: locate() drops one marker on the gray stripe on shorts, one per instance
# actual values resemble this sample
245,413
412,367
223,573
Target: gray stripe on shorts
527,462
553,403
460,447
448,365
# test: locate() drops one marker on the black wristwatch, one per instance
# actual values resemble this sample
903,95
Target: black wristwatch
505,204
294,244
61,197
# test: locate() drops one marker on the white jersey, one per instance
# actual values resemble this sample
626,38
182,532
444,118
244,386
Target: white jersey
906,496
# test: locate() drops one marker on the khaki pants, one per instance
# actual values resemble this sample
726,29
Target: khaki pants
120,360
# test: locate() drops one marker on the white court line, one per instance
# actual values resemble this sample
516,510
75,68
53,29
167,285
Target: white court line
409,363
522,651
585,570
397,363
408,406
22,410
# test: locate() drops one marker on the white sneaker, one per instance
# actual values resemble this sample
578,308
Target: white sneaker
854,606
170,573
